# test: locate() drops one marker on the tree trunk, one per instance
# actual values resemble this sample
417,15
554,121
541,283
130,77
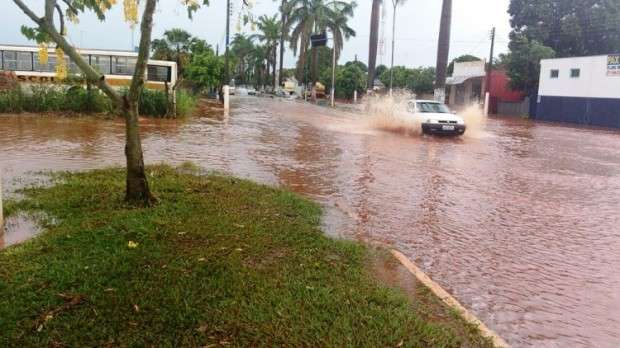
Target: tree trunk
275,67
443,49
137,184
282,35
314,65
301,64
373,43
137,189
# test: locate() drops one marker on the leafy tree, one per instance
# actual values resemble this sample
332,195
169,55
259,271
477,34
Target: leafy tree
461,59
359,64
50,27
401,77
569,27
523,62
421,80
205,70
562,28
47,30
349,78
380,70
418,80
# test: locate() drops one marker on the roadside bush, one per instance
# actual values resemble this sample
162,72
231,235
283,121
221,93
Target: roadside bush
77,99
11,101
186,103
153,103
54,99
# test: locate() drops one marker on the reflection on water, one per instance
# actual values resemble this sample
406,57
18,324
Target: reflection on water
518,221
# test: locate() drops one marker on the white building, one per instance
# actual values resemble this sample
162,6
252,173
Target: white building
467,83
584,90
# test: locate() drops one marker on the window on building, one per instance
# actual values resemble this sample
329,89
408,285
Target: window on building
74,69
24,61
575,73
123,65
101,64
10,60
158,73
50,66
555,73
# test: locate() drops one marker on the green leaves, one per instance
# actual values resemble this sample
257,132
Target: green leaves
34,34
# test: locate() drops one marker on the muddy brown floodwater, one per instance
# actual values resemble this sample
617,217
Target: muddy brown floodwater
519,221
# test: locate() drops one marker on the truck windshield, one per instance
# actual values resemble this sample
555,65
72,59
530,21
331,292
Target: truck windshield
427,107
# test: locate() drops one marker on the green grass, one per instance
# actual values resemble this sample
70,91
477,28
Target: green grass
219,261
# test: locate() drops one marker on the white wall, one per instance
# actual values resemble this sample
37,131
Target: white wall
592,83
472,69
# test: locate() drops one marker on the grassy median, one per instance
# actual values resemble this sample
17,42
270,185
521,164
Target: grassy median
217,262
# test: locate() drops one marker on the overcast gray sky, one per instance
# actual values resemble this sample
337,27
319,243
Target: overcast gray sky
417,25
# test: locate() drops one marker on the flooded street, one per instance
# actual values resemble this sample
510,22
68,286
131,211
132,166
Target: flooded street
518,220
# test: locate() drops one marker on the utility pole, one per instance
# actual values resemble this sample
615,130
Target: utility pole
333,95
490,67
394,3
443,50
226,67
487,95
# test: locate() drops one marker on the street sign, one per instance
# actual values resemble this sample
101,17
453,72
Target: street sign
318,40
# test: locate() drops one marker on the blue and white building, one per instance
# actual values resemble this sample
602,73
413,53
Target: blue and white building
583,90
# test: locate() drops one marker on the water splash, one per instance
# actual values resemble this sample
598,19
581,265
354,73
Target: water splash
389,113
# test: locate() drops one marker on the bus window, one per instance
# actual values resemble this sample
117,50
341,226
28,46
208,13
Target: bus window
73,68
10,60
158,73
101,64
24,61
49,67
123,65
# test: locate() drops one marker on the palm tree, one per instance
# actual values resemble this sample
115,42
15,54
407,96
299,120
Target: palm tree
241,47
374,42
284,12
256,61
269,34
316,16
443,50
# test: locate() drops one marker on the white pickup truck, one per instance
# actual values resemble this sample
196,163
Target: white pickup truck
436,118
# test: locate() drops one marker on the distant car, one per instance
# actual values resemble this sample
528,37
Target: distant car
436,118
251,91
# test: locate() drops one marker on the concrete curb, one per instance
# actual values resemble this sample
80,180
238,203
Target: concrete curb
449,300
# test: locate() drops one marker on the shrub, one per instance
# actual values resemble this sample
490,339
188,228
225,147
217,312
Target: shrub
51,98
186,103
153,103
